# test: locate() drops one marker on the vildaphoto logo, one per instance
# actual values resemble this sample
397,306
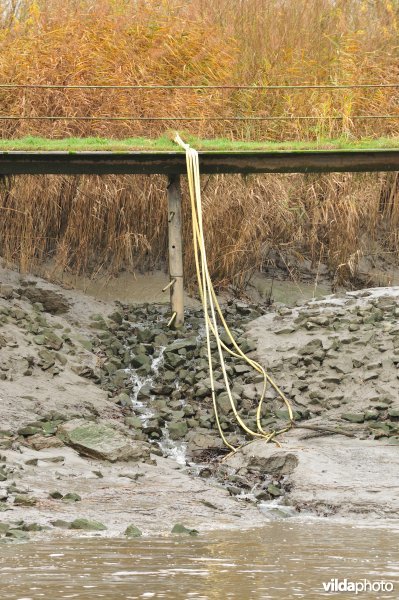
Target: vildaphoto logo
358,587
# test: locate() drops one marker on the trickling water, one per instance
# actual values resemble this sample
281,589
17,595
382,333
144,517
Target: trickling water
143,409
175,450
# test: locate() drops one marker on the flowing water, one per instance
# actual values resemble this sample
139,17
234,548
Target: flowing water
284,560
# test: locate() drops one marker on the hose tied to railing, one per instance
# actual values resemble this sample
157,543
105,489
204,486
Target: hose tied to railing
212,308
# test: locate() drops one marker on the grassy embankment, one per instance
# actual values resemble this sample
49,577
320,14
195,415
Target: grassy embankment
92,224
165,143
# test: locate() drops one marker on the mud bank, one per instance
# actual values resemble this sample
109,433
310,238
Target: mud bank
107,421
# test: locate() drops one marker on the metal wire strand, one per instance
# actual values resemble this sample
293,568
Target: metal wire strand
200,87
227,119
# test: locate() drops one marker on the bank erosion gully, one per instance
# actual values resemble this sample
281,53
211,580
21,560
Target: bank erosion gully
173,165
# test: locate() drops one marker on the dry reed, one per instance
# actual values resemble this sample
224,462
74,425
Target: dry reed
85,224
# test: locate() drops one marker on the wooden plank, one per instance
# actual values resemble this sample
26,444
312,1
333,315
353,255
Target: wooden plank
174,163
175,250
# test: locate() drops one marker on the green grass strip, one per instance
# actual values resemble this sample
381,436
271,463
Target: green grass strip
165,143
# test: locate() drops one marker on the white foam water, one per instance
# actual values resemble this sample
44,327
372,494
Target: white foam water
173,449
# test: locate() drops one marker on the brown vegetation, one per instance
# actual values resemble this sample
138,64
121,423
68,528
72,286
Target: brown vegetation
86,224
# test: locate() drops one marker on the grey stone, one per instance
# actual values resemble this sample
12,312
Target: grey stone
132,531
22,500
182,530
282,463
186,343
311,347
370,375
17,534
353,417
274,491
177,429
71,497
56,495
100,441
140,360
87,525
52,302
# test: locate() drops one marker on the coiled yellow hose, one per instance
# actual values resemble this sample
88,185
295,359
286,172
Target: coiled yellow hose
211,304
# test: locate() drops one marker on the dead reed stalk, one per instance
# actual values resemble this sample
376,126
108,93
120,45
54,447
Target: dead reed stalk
86,223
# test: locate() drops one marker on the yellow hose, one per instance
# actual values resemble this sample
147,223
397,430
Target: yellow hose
211,303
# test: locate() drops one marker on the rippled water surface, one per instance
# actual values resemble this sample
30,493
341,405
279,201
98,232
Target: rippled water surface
283,560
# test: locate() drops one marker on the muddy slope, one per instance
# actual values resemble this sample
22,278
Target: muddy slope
107,420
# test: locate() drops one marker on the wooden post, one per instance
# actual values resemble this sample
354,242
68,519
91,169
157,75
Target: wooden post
175,250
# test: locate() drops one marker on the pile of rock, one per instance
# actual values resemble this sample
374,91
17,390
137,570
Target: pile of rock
165,373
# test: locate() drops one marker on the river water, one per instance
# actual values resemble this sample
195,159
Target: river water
283,560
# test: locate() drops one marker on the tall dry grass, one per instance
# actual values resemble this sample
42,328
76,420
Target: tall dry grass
104,224
87,224
208,42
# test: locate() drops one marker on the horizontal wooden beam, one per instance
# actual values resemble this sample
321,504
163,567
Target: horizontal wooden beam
174,163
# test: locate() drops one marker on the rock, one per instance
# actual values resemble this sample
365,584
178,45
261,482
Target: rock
55,495
123,399
52,302
186,343
85,342
370,375
6,291
203,440
342,366
234,490
394,413
39,442
71,497
276,464
140,360
22,500
117,317
134,422
17,534
61,523
4,527
100,441
242,369
132,531
182,530
274,491
224,404
177,429
285,330
49,339
33,527
336,379
144,392
47,359
261,495
354,417
87,525
311,347
174,361
371,415
30,430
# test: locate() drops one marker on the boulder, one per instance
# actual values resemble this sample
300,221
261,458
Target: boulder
100,441
177,429
182,530
87,525
132,531
52,302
